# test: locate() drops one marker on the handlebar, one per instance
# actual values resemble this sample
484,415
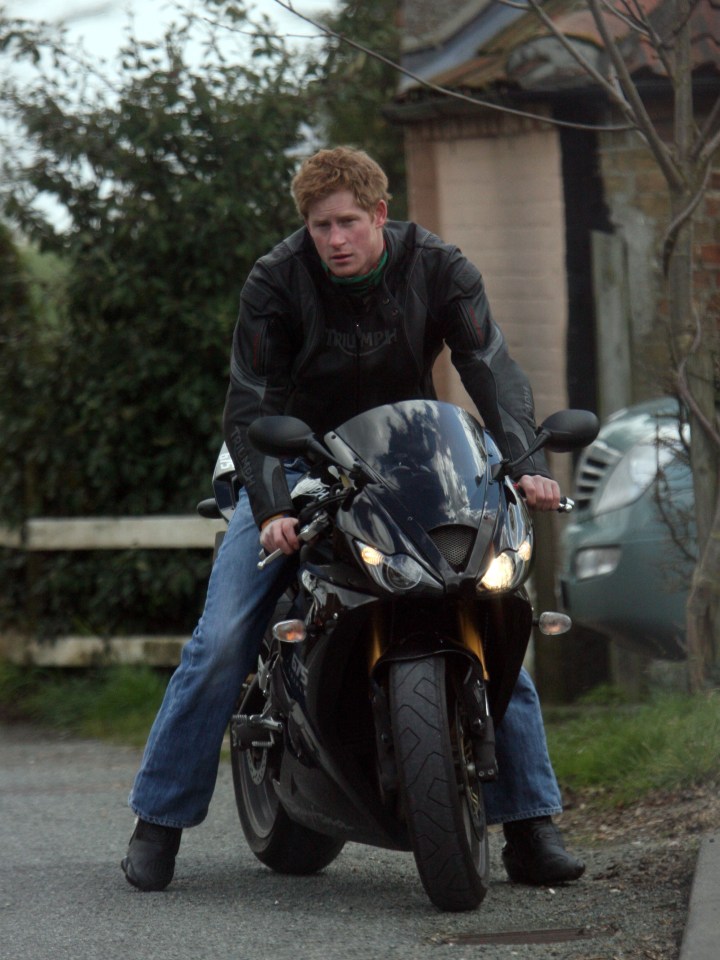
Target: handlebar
308,532
322,521
566,504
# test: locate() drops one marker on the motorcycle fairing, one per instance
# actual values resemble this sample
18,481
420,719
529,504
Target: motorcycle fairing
431,455
433,496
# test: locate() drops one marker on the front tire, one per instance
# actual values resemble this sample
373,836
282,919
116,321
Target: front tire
275,839
442,798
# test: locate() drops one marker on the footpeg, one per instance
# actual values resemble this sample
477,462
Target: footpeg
253,730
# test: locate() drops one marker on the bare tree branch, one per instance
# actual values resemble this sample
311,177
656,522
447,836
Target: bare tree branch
676,225
686,394
662,154
640,23
586,65
623,93
711,148
659,44
616,86
629,18
445,91
708,142
675,518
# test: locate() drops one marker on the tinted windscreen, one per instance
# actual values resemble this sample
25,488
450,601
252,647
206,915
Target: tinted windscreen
431,455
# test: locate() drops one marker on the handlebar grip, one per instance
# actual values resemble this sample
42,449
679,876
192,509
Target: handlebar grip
566,504
306,533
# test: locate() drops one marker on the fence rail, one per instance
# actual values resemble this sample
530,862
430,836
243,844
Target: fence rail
112,533
39,534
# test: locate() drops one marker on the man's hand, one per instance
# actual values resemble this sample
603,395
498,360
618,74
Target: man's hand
540,492
280,533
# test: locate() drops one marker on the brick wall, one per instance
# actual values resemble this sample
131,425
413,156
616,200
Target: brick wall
495,189
493,186
707,250
638,200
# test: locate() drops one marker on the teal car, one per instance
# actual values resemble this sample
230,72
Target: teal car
629,548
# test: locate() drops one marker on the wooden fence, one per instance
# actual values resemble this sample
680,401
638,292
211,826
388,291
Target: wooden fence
103,533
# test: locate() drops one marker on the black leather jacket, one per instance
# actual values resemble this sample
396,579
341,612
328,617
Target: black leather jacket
303,346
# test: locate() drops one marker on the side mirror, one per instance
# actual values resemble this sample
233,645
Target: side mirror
562,432
279,436
569,430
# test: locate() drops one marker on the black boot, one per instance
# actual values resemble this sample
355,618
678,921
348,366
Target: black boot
535,853
150,860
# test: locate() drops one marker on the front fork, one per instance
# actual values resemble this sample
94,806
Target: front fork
472,691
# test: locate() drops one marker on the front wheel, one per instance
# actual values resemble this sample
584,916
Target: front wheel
442,797
275,839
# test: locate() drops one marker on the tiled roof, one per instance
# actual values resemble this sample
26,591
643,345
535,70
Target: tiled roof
429,22
493,44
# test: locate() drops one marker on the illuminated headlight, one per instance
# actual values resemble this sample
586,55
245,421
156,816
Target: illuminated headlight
525,551
397,572
507,569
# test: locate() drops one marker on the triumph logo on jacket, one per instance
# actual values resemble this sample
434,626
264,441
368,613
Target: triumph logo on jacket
360,342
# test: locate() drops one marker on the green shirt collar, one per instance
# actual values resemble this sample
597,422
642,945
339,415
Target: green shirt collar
363,284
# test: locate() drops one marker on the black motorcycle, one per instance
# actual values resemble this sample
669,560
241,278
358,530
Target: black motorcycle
372,712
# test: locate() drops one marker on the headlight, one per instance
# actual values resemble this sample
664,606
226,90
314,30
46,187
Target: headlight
507,569
596,562
633,474
525,550
500,574
396,572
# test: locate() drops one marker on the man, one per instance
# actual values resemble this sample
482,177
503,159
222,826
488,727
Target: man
348,313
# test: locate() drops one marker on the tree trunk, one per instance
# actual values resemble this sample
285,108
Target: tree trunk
692,337
703,612
703,608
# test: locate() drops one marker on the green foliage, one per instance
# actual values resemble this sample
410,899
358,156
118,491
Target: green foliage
104,593
355,86
169,186
22,39
624,752
169,181
27,343
188,184
605,695
117,704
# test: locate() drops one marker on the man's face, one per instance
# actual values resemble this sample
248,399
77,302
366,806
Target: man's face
349,240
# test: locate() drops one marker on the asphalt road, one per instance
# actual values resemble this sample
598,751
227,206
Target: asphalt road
63,830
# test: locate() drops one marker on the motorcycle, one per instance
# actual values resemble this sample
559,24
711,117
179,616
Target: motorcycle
372,712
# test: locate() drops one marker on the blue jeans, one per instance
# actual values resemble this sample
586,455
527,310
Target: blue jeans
526,786
179,768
